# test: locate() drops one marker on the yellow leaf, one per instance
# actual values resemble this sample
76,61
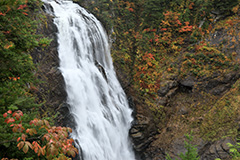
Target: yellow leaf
25,148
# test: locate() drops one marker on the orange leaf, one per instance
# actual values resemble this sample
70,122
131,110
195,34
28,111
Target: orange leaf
130,9
163,29
43,150
36,149
39,152
2,14
20,145
18,139
72,153
70,130
34,131
24,137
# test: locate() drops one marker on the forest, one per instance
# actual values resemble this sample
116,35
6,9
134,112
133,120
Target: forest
177,60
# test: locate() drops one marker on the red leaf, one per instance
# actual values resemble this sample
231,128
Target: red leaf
9,120
15,129
20,113
2,14
5,115
14,114
9,111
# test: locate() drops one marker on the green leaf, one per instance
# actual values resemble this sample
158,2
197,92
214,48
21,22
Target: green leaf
7,144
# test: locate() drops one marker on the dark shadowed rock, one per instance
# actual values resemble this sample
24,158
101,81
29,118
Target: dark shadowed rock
166,86
218,149
188,81
52,90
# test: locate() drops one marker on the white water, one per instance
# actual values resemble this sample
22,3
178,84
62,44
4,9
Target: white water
97,101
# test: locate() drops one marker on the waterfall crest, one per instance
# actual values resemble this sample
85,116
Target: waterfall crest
97,101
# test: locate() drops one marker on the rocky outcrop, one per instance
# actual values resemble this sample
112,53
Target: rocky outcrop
176,95
51,90
140,133
218,149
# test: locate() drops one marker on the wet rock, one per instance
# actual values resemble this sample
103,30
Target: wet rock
141,134
133,130
142,146
138,135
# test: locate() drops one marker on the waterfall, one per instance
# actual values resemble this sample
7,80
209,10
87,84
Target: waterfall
97,101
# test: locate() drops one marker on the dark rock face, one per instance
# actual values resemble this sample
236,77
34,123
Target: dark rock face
52,89
218,149
188,81
139,133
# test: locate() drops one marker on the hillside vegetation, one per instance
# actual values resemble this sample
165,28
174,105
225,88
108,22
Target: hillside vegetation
179,61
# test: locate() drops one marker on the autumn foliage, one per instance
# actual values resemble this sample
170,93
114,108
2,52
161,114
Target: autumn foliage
53,144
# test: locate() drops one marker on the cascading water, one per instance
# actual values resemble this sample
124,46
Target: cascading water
96,99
